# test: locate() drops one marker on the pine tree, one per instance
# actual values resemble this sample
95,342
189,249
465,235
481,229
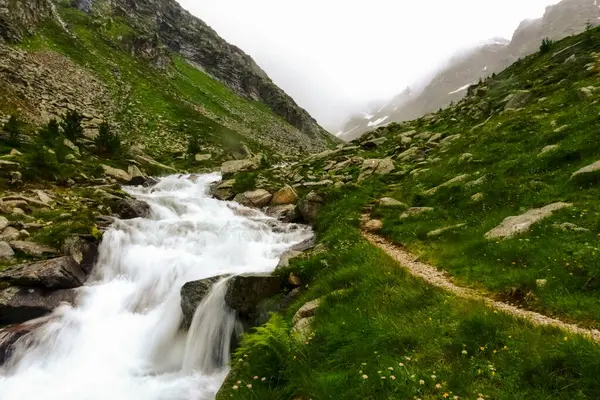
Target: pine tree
193,146
13,130
71,125
50,132
107,142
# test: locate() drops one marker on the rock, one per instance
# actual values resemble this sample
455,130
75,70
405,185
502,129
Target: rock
9,165
449,139
3,223
83,250
540,283
423,136
284,260
515,225
373,225
585,93
118,174
310,207
31,248
18,212
441,231
548,149
294,280
6,252
137,177
15,153
256,198
323,183
285,195
389,202
477,197
570,227
129,208
44,198
373,143
20,304
9,234
303,327
57,273
465,158
224,190
518,100
246,293
595,167
16,179
415,211
305,245
192,294
285,213
478,182
571,59
202,157
235,166
377,166
412,154
451,182
306,311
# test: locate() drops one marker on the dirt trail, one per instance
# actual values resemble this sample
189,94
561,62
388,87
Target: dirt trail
437,278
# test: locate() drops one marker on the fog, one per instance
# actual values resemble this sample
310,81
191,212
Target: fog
335,56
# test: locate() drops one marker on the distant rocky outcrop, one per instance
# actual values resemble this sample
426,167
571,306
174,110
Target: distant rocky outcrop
566,18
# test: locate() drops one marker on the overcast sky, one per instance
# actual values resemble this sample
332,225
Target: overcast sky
334,56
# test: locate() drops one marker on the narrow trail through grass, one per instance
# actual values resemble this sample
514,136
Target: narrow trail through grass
437,278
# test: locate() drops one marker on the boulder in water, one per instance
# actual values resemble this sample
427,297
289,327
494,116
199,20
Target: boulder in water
285,213
20,304
130,208
192,294
57,273
11,334
246,293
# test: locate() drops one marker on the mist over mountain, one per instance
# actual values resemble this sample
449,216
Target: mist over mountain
451,82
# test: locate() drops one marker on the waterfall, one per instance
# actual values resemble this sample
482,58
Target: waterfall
122,340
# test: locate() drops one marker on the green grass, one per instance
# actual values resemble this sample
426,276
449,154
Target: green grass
381,322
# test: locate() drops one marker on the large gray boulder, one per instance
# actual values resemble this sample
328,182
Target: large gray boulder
32,249
58,273
246,294
310,206
255,198
515,225
192,294
128,208
224,190
235,166
20,304
285,213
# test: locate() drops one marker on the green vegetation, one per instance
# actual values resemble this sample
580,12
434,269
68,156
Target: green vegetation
13,130
382,334
107,142
71,126
546,45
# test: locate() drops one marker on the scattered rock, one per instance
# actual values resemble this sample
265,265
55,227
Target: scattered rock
224,190
477,197
415,211
58,273
585,93
595,167
202,157
570,227
71,145
540,283
389,202
43,196
285,213
548,149
478,182
21,304
137,177
306,311
235,166
3,223
256,198
518,100
451,182
6,252
285,195
129,208
9,234
310,207
284,260
83,250
118,174
449,139
441,231
465,158
373,225
515,225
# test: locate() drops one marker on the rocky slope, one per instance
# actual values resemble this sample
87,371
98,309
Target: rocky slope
563,19
150,68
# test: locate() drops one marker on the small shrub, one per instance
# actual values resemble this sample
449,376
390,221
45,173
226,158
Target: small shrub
193,146
13,130
43,163
50,132
71,126
107,142
546,46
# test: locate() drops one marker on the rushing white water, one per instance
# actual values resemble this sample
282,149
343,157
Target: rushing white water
122,341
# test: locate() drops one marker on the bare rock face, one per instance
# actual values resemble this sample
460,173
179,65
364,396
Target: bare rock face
58,273
20,18
20,304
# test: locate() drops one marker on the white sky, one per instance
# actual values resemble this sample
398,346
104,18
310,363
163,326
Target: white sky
334,56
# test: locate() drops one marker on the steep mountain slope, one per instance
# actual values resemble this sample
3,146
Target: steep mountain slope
500,193
152,69
563,19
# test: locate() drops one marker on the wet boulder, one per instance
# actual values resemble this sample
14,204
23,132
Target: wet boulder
192,294
128,208
10,335
224,190
285,213
255,198
20,304
285,195
246,294
57,273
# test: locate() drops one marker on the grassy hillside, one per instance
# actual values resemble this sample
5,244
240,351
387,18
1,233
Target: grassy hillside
157,98
467,168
